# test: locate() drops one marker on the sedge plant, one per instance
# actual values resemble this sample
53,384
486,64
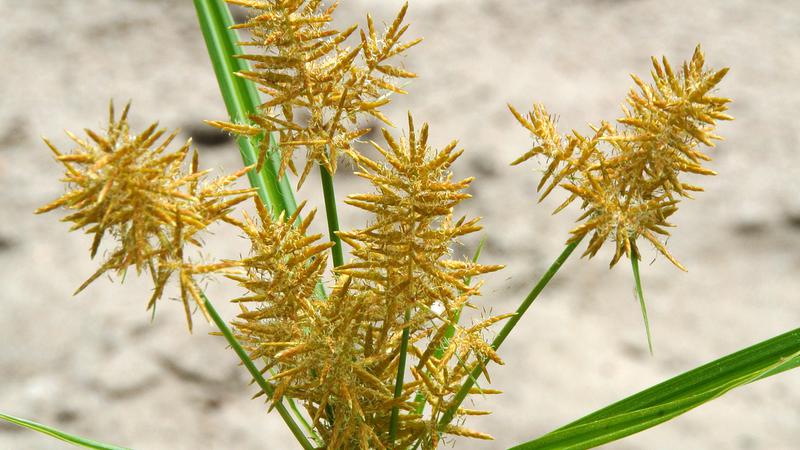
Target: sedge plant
373,351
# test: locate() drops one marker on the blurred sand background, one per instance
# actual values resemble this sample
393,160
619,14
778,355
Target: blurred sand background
95,365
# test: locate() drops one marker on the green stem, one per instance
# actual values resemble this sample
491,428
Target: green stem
221,48
288,202
242,100
259,379
398,385
449,414
640,295
333,226
332,215
420,398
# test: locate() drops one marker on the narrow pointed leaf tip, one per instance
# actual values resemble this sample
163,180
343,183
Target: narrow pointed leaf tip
675,396
60,435
640,296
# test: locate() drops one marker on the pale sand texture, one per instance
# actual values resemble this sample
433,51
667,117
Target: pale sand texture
94,365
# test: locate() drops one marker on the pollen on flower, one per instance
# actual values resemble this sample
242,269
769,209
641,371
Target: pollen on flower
628,178
132,189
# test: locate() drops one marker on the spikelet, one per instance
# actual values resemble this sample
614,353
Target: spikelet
307,342
312,344
629,178
280,277
318,87
131,188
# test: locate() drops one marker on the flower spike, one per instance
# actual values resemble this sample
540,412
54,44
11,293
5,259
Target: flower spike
628,178
130,188
318,87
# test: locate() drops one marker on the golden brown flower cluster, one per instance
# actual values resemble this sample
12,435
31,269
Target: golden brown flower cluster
132,189
340,355
317,87
628,178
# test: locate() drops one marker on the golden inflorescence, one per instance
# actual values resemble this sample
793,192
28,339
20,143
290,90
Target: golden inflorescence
132,189
397,302
628,177
340,353
318,87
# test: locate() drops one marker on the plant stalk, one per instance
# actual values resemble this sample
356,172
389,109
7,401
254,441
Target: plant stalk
259,379
449,414
242,100
398,385
640,296
332,215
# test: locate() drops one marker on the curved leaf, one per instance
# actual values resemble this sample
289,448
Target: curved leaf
675,396
58,434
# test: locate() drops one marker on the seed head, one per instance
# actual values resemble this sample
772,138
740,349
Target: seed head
318,87
629,178
131,188
340,355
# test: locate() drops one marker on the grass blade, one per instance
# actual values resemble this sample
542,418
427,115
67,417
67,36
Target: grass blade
58,434
675,396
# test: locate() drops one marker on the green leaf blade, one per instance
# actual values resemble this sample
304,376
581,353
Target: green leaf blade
58,434
241,100
675,396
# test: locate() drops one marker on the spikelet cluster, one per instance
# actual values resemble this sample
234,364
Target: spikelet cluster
132,189
628,177
318,87
340,355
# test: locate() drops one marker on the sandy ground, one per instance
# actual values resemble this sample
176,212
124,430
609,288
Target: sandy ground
96,366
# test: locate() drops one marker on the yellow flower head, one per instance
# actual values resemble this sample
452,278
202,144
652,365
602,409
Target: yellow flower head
317,87
402,262
628,178
340,355
131,188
